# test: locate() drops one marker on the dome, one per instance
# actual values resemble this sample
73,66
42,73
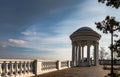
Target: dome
85,31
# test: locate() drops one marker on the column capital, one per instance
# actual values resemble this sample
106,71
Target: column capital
88,42
75,43
79,43
96,43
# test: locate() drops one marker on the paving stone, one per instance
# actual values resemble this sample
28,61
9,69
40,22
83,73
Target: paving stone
93,71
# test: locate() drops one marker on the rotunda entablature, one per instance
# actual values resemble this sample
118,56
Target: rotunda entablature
84,42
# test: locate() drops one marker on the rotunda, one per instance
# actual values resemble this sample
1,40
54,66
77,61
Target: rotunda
82,37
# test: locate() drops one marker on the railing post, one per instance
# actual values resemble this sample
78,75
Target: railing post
58,65
68,63
38,67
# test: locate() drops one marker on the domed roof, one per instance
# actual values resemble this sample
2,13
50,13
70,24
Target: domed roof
85,31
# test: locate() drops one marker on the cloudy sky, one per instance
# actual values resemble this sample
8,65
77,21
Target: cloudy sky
41,28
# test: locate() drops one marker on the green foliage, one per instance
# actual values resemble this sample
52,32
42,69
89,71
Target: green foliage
108,25
116,47
112,3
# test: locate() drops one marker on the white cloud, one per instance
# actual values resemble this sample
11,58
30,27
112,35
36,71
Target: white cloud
3,44
29,33
16,42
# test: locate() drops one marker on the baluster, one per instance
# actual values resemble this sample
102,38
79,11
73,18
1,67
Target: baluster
16,68
5,69
28,67
46,65
24,67
20,68
11,68
31,66
42,68
0,69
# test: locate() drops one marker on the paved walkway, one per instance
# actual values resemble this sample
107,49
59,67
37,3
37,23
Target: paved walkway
93,71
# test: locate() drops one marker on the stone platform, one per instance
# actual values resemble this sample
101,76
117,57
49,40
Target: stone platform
94,71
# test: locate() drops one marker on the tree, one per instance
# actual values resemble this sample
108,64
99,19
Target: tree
116,47
112,3
109,25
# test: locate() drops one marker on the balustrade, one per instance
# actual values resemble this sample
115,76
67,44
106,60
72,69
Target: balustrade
48,65
25,68
64,64
11,68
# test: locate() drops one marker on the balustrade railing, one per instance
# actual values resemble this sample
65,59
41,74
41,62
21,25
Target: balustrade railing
108,62
28,68
49,65
64,64
13,68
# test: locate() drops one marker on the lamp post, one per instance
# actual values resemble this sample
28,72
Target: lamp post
109,25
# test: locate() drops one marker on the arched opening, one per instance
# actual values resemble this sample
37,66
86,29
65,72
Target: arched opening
85,51
92,54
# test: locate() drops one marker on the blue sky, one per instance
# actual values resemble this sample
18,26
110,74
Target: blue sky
41,28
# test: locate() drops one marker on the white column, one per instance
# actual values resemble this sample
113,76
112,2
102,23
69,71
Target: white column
96,51
79,55
73,55
88,53
76,55
82,53
97,56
